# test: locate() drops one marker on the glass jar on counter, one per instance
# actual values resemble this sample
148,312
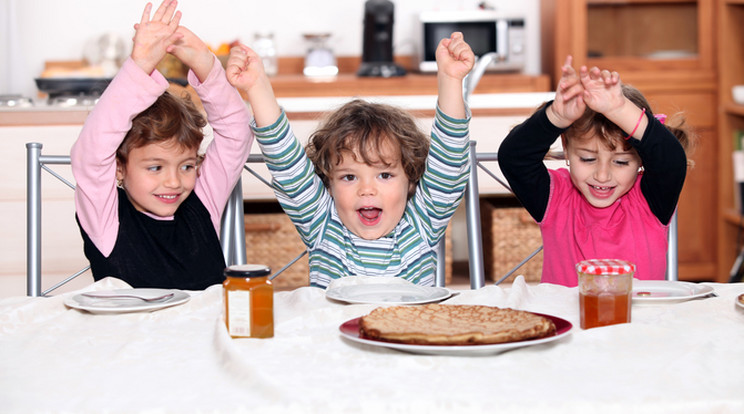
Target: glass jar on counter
249,301
264,46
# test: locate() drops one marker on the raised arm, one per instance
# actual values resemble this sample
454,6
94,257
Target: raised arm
603,93
455,59
245,71
193,52
153,37
133,89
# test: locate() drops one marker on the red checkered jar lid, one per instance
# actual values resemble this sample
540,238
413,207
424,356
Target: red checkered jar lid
605,267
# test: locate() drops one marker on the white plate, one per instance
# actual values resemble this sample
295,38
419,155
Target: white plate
388,293
123,305
350,330
665,291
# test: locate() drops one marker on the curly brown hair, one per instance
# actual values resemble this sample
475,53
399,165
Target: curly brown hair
363,128
169,118
595,124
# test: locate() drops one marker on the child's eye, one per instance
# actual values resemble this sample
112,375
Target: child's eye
347,177
187,167
386,175
586,159
622,162
154,168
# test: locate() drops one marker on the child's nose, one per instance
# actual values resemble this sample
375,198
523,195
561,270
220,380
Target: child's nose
367,187
602,173
172,179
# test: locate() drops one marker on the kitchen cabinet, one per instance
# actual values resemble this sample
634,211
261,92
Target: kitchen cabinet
731,119
665,48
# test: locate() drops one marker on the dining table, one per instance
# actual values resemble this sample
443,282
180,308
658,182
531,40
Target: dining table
684,356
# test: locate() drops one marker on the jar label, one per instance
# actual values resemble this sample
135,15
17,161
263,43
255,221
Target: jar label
239,312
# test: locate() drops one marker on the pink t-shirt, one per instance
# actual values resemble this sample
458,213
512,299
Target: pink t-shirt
573,230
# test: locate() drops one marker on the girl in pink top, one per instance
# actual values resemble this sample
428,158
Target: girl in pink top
626,172
148,205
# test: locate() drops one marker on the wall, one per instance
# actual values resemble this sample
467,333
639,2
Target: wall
35,31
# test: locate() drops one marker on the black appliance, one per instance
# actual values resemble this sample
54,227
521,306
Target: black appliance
377,52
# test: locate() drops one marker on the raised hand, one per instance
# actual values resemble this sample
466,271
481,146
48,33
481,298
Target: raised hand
154,36
455,58
568,105
244,67
602,90
245,71
193,52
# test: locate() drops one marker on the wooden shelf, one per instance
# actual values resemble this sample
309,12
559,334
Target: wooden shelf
411,84
631,34
731,118
731,108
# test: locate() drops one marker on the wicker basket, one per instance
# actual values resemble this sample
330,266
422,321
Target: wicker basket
272,239
509,236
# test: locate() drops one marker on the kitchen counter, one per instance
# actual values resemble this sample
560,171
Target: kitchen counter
306,98
301,107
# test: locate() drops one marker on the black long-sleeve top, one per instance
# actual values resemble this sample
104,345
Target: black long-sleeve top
522,152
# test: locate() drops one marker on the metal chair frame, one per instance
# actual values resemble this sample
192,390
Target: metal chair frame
232,232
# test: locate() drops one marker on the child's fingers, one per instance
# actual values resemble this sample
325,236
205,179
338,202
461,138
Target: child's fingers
162,13
175,21
145,15
571,92
172,41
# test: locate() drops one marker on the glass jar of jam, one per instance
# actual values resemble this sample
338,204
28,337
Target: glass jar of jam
605,287
249,301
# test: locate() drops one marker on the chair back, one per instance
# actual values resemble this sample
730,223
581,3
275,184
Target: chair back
232,236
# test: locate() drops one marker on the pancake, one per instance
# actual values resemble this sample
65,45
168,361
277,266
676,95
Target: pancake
438,324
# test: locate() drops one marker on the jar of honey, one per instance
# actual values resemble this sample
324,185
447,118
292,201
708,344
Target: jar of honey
249,301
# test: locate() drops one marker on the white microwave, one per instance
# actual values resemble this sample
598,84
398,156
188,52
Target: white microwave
485,31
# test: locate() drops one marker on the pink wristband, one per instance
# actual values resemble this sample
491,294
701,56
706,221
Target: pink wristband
643,112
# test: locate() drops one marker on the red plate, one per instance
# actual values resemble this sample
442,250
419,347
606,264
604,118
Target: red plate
350,331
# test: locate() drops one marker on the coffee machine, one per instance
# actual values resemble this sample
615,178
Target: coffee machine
377,52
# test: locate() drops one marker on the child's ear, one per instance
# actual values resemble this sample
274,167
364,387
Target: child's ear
119,172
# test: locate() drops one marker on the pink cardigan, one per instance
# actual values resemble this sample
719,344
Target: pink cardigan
132,91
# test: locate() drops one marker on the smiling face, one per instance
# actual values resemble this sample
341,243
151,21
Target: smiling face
158,177
370,198
601,175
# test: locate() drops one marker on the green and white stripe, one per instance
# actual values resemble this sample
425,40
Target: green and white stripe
410,250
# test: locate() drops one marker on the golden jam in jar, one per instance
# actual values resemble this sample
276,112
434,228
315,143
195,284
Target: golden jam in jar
249,301
605,287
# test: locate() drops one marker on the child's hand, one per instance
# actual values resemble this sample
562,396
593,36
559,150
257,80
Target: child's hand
244,67
153,37
245,71
568,105
455,58
193,52
602,90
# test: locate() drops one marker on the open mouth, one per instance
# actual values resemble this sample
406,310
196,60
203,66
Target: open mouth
369,215
168,198
601,191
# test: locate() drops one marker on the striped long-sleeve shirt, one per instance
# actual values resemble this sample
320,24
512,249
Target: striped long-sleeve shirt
409,251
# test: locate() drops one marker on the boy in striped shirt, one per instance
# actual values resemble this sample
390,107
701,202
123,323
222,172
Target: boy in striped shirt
371,195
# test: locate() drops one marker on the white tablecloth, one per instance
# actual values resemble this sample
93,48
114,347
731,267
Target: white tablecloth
679,358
